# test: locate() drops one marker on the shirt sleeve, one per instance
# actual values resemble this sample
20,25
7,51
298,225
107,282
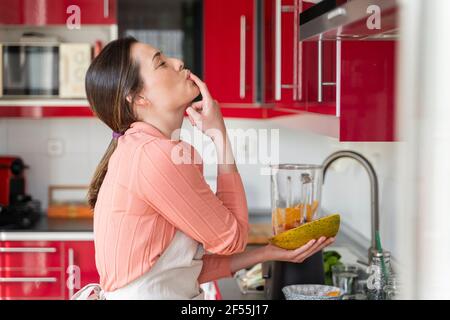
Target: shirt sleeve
215,267
177,189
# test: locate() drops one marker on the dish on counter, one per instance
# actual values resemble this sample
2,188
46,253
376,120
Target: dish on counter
312,292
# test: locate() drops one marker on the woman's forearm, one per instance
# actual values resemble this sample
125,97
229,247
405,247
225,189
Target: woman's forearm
225,158
273,253
248,258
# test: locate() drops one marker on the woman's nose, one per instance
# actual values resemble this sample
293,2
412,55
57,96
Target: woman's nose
178,64
181,67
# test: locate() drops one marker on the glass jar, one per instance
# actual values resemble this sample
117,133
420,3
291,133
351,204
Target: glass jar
380,271
345,277
296,191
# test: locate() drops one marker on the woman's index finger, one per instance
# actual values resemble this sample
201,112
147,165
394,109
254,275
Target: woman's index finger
201,85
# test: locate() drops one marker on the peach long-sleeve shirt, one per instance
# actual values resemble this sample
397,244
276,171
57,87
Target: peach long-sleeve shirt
153,187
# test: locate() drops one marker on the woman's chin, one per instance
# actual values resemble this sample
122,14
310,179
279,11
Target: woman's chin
193,93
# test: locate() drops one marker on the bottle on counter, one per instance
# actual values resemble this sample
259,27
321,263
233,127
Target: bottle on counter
381,273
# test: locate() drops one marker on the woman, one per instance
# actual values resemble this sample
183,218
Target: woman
159,230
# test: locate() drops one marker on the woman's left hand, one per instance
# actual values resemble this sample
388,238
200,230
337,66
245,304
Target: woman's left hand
299,255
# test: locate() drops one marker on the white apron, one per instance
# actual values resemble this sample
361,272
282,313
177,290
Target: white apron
174,276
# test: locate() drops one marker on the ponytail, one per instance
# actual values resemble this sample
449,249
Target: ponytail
100,173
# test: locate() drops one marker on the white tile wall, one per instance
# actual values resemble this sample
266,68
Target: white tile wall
84,141
3,135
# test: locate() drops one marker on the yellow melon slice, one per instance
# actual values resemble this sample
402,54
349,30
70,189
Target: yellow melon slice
294,238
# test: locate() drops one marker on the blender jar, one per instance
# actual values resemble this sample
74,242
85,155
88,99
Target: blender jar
296,191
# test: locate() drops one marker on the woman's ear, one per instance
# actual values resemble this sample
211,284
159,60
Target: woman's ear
137,101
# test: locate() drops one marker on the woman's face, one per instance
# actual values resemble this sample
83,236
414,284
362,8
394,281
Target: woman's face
166,82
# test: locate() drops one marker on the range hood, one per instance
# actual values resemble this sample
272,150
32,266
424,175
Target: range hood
347,20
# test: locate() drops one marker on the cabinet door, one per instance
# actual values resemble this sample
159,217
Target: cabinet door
320,77
93,11
56,12
79,266
318,63
11,12
31,270
30,254
32,284
368,91
229,35
280,30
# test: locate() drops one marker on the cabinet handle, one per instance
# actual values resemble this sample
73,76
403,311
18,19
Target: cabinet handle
105,8
319,70
71,263
31,279
278,10
242,58
26,250
277,49
320,83
295,92
338,77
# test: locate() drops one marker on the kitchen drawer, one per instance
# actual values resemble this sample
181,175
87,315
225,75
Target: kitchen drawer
31,284
30,254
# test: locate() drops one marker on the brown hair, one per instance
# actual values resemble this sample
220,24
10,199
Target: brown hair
110,79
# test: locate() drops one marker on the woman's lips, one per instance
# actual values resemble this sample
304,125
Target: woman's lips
188,75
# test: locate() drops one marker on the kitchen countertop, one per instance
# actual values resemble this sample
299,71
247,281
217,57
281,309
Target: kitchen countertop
51,229
54,229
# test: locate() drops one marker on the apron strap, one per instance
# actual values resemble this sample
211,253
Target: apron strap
85,293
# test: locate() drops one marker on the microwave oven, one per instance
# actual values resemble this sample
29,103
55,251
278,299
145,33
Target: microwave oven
43,70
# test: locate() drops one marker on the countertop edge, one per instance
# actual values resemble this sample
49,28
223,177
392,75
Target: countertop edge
47,236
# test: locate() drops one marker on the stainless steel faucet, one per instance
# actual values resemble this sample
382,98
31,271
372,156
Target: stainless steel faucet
374,207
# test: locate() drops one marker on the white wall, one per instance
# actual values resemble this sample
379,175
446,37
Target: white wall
84,140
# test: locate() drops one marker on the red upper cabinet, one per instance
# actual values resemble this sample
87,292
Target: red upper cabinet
229,37
280,38
292,69
57,12
319,75
318,71
368,91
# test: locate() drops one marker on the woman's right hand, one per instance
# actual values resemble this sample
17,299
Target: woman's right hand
274,253
205,114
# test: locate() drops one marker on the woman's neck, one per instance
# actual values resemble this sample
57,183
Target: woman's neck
169,125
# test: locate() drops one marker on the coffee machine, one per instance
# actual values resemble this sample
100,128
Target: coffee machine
296,198
17,209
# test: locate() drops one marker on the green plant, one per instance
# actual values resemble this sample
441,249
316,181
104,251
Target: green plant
330,258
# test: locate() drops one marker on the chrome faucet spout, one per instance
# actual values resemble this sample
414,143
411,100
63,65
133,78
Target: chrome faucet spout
374,204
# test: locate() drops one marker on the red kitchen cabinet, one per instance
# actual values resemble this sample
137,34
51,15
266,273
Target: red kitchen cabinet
45,269
317,72
318,67
32,284
280,30
293,69
229,65
27,254
80,268
31,270
56,12
368,91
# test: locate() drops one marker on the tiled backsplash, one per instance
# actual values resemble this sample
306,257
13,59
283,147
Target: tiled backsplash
76,146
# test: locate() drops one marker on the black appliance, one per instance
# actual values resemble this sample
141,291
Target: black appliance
17,209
